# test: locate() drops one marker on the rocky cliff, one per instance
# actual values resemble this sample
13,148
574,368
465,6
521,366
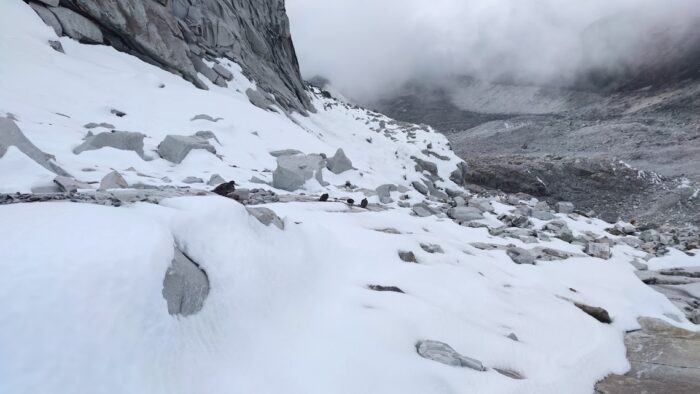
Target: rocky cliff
187,37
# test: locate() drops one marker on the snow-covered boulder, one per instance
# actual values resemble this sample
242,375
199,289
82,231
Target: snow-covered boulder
122,140
293,171
339,163
175,148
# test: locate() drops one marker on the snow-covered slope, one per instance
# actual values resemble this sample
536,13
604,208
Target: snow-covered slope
289,310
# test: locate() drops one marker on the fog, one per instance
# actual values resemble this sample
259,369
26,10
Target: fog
368,48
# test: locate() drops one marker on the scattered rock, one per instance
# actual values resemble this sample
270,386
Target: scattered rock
445,354
465,214
423,210
207,135
215,179
432,248
407,256
385,288
70,185
420,187
175,148
509,373
600,250
122,140
597,313
118,113
93,125
339,163
113,180
565,207
192,179
266,216
384,193
185,286
205,117
259,99
520,256
293,171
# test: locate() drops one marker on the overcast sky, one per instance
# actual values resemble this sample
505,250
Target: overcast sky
368,47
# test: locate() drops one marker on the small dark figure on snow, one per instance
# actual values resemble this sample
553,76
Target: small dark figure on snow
351,202
225,189
363,203
324,197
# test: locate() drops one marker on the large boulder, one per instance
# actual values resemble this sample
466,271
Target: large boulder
113,180
185,286
77,26
445,354
339,163
122,140
293,171
266,216
465,214
11,135
384,193
175,148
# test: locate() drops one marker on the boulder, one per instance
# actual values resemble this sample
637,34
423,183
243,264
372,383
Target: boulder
11,135
205,117
407,256
465,214
520,255
93,125
384,193
77,26
207,135
113,180
293,171
48,17
424,165
565,207
543,215
392,289
600,250
70,185
225,74
597,313
266,216
192,179
339,163
445,354
432,248
420,187
175,148
215,180
123,140
185,286
423,210
481,204
259,99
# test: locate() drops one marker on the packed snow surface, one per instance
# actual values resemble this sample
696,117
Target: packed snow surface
289,311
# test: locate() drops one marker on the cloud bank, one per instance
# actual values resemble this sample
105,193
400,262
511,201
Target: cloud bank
368,48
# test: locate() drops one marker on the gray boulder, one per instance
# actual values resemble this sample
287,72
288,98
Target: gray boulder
424,165
224,73
205,117
48,17
113,180
207,135
421,188
185,286
445,354
266,216
339,163
481,204
423,210
216,180
465,214
175,148
520,256
192,179
123,140
543,215
432,248
600,250
384,193
259,99
70,185
93,125
293,171
565,207
77,26
11,135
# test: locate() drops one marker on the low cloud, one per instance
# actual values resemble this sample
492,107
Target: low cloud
369,48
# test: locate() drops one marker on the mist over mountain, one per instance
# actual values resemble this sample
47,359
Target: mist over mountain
368,49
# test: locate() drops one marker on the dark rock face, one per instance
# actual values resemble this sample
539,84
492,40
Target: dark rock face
177,35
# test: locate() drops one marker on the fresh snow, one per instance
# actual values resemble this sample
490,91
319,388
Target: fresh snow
288,310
